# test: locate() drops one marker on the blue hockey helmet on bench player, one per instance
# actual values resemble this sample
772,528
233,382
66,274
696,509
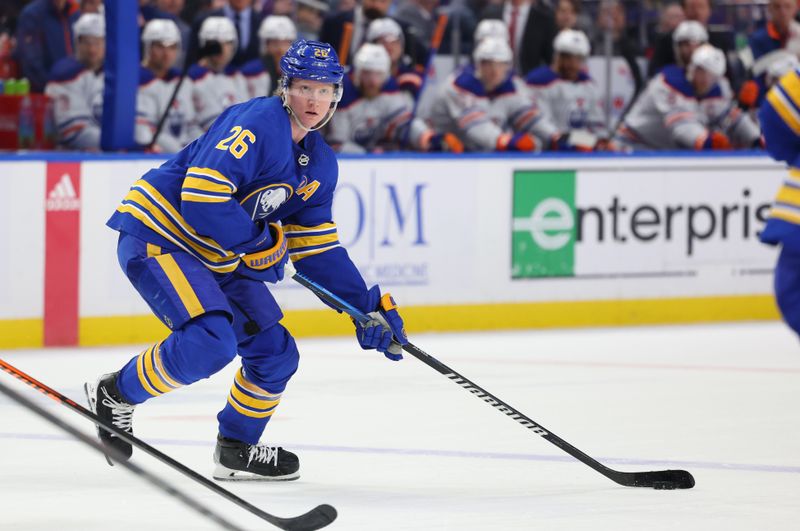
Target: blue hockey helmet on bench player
313,61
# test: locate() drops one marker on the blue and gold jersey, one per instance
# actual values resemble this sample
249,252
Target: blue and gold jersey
210,198
780,125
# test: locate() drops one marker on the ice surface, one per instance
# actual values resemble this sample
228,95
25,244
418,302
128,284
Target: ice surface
397,446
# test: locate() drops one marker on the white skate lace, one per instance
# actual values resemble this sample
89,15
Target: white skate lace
121,412
263,454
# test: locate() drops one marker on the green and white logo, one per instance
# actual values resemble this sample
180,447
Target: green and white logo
543,228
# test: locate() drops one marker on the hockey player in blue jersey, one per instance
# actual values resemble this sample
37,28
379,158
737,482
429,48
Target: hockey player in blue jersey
780,125
200,236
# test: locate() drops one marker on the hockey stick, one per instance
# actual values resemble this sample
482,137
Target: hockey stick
662,479
135,469
316,518
344,44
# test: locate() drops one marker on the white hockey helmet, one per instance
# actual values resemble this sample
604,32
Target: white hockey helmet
372,57
710,59
161,30
784,62
572,42
277,27
491,27
384,28
492,49
690,30
89,25
219,29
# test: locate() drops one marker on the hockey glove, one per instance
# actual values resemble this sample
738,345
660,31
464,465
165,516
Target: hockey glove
748,95
447,142
717,140
385,330
267,260
515,142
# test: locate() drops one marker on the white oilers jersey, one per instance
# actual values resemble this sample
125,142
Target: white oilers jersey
360,125
667,115
463,107
259,77
257,84
77,95
567,105
214,92
151,102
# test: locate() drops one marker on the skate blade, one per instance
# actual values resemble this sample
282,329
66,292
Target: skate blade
223,473
91,394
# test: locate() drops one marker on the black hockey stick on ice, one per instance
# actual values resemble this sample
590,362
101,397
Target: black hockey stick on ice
316,518
142,473
661,479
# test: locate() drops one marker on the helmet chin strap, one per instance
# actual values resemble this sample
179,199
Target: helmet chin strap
297,121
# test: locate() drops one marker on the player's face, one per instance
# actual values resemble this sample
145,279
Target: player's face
310,100
161,56
394,47
91,51
569,66
277,48
702,81
685,51
370,82
492,73
221,60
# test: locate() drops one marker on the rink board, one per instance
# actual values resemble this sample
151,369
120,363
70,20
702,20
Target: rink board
466,242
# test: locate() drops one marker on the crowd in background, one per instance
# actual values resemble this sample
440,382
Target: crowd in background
699,68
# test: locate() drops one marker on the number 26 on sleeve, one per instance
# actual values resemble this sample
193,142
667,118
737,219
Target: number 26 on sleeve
240,138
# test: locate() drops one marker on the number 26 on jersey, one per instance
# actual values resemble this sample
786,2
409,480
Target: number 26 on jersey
238,142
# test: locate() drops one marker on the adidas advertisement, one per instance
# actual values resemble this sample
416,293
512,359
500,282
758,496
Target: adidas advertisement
645,223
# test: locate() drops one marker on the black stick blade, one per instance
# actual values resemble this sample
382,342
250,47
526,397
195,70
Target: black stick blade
316,518
662,480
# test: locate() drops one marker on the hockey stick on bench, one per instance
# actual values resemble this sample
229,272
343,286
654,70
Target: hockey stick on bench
661,479
316,518
135,469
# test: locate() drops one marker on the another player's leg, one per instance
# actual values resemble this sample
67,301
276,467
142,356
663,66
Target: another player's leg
787,287
269,359
186,297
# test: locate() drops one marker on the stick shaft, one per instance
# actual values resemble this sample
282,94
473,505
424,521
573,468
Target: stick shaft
337,302
135,469
135,441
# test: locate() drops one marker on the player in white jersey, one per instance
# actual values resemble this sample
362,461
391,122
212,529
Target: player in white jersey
261,75
76,86
688,109
686,38
389,34
484,107
157,81
216,85
566,95
375,115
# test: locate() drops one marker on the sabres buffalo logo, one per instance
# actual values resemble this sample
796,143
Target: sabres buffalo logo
271,199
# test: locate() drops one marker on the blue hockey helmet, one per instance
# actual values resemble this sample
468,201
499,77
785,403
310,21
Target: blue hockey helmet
313,60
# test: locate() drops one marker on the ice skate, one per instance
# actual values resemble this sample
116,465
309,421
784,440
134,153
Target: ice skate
107,403
240,461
